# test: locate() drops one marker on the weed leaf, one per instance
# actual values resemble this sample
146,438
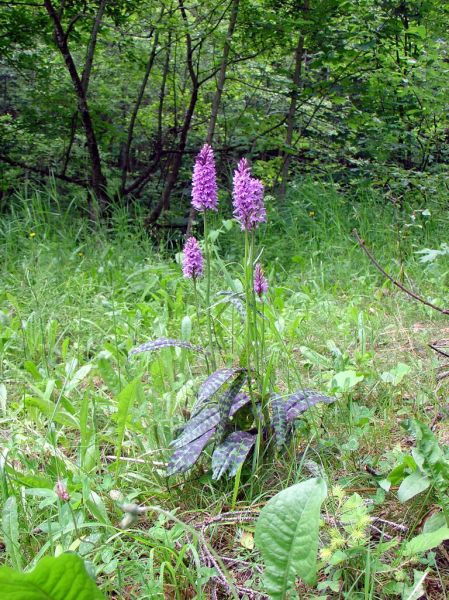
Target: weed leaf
426,541
10,526
125,400
62,578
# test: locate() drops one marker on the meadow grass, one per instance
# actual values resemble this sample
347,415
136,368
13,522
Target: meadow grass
76,298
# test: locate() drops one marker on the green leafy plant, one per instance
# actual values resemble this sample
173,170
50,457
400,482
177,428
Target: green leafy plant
427,467
237,407
287,536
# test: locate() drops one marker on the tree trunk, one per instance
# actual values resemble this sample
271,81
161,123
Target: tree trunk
299,54
218,93
172,177
132,121
173,173
98,180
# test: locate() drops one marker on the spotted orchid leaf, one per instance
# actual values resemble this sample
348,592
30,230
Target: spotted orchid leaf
279,419
186,456
225,403
212,384
300,401
239,401
204,421
229,455
234,299
164,343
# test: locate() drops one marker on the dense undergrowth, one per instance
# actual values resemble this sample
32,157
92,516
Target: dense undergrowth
76,298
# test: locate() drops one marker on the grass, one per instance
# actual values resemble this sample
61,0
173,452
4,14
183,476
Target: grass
75,408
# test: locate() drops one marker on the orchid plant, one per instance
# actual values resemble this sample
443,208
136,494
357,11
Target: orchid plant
237,408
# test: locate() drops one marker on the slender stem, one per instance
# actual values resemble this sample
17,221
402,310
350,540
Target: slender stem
198,318
208,279
250,338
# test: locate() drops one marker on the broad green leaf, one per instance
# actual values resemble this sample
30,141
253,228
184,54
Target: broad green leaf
426,541
287,536
10,526
186,328
62,578
396,375
434,522
96,506
432,461
345,380
125,399
412,485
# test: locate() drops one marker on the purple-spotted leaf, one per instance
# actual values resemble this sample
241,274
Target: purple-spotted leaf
164,343
302,400
213,383
186,456
279,419
229,455
240,400
198,425
225,403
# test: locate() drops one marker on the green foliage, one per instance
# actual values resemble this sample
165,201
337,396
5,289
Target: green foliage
426,541
287,536
62,578
77,297
10,527
432,461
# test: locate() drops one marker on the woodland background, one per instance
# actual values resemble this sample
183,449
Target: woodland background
116,97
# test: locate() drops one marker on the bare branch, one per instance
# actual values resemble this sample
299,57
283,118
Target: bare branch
369,254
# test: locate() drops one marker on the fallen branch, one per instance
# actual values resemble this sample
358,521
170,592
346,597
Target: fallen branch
437,349
369,254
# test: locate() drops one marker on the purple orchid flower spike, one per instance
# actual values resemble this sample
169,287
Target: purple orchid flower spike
260,282
192,260
204,181
249,209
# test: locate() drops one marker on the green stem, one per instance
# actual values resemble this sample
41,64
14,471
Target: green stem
198,318
208,279
251,336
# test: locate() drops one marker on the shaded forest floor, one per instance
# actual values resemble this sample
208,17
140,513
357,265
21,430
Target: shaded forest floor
75,300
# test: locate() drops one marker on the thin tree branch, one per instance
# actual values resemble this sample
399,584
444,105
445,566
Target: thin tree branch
42,171
369,254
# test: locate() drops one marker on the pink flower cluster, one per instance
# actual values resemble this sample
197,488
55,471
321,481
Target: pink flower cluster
249,209
260,282
192,263
204,181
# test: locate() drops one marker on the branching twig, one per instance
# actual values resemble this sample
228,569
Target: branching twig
369,254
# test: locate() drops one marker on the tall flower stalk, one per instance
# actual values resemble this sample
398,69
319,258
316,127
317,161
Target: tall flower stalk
249,210
205,199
